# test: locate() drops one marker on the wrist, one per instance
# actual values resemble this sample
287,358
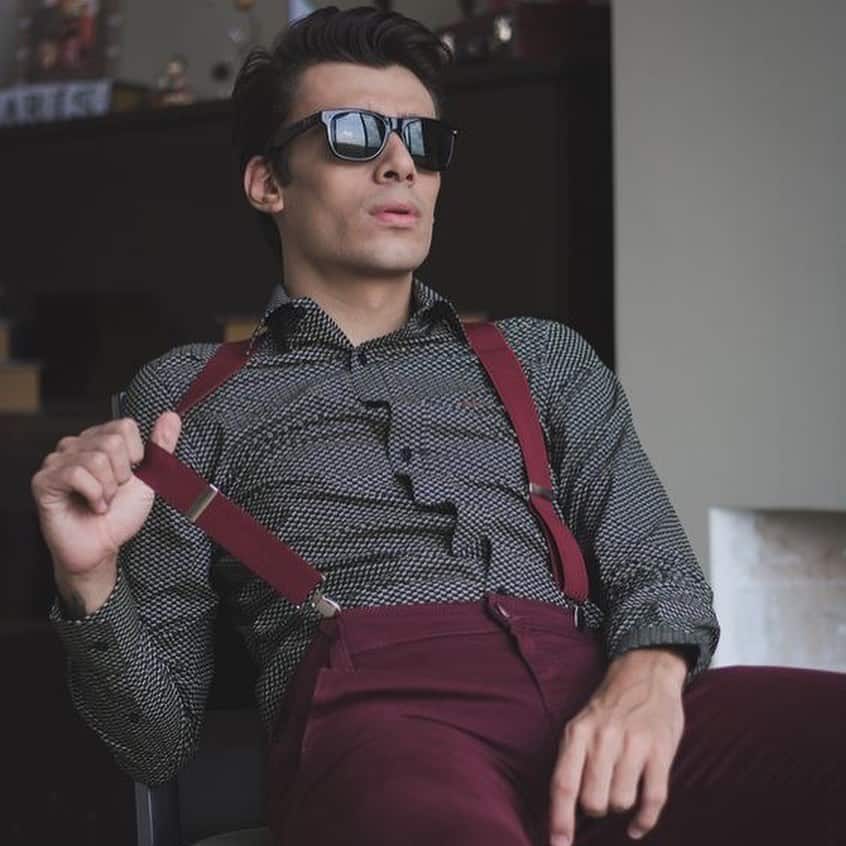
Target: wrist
668,662
80,595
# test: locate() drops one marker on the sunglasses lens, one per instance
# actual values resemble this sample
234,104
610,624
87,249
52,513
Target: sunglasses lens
356,135
429,142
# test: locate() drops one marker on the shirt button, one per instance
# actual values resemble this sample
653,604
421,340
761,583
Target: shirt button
405,452
362,356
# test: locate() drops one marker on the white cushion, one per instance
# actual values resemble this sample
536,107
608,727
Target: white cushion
242,837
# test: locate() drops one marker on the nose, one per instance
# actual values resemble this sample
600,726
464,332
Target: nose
395,158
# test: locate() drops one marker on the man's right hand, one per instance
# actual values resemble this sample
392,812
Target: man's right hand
90,503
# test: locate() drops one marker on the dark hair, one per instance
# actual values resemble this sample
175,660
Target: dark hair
266,83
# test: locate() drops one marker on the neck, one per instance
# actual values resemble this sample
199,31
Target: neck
362,307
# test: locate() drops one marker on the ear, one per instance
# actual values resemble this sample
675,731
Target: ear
261,187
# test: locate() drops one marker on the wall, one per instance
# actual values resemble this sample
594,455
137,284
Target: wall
730,249
779,579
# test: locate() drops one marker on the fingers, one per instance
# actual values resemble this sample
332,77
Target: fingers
166,430
93,464
656,776
566,780
622,794
600,770
125,428
607,745
70,478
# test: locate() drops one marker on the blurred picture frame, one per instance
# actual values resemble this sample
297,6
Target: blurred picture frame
64,40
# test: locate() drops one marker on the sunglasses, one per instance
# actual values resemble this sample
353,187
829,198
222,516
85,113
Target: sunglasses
357,135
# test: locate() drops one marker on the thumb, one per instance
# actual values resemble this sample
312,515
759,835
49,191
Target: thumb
166,430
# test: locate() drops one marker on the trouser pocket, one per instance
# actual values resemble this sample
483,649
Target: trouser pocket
566,665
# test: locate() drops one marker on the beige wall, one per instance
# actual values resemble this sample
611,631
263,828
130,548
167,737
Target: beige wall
731,248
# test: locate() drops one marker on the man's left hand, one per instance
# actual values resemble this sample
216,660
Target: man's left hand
632,725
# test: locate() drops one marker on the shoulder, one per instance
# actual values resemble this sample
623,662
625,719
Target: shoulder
179,366
548,345
558,362
160,383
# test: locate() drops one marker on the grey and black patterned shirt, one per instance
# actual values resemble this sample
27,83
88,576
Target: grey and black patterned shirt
392,467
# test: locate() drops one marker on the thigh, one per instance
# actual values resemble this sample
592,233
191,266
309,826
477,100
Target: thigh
376,775
762,759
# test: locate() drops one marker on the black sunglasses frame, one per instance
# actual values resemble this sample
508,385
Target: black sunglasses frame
392,124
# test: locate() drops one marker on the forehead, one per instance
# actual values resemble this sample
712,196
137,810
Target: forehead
393,90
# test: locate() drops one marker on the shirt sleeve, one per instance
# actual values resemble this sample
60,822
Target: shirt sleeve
643,570
139,668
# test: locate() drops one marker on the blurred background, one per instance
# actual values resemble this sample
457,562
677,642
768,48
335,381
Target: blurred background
673,189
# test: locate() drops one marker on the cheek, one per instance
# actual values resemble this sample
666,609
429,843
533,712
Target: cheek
338,205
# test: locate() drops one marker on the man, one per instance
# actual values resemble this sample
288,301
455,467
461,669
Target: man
455,699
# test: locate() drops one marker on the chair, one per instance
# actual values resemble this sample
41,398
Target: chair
217,798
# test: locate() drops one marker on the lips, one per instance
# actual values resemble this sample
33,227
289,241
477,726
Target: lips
395,208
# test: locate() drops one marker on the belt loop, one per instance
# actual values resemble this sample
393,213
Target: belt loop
339,654
497,609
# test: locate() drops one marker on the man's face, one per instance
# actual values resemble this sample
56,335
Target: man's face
326,220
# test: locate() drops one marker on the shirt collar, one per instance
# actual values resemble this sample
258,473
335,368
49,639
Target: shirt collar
429,306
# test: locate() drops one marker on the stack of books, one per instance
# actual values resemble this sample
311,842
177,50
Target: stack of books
20,381
238,327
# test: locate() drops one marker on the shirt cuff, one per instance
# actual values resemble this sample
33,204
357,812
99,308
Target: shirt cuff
103,642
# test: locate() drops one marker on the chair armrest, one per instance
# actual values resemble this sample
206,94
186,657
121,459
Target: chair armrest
157,814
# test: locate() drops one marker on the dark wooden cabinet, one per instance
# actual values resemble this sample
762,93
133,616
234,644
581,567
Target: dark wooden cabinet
126,235
525,217
61,785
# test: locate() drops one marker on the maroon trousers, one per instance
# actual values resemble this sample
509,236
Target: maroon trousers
440,723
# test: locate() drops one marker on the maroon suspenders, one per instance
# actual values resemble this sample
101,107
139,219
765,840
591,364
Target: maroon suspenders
292,576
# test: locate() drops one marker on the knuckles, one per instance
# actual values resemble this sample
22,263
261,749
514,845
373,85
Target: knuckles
618,806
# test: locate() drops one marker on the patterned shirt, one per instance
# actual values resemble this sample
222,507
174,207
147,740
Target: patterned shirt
392,468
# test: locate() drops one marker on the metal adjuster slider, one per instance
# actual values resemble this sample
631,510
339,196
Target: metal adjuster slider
201,503
546,493
324,606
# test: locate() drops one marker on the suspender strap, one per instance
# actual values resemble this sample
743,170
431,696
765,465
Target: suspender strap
228,359
504,369
228,524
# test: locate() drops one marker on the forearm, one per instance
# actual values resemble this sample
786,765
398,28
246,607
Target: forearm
127,691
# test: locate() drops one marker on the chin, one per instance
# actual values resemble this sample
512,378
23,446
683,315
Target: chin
394,261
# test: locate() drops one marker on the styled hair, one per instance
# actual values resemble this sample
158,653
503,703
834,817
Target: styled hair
264,89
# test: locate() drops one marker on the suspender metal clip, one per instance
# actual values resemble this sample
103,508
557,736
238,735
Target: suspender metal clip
324,606
201,503
546,493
